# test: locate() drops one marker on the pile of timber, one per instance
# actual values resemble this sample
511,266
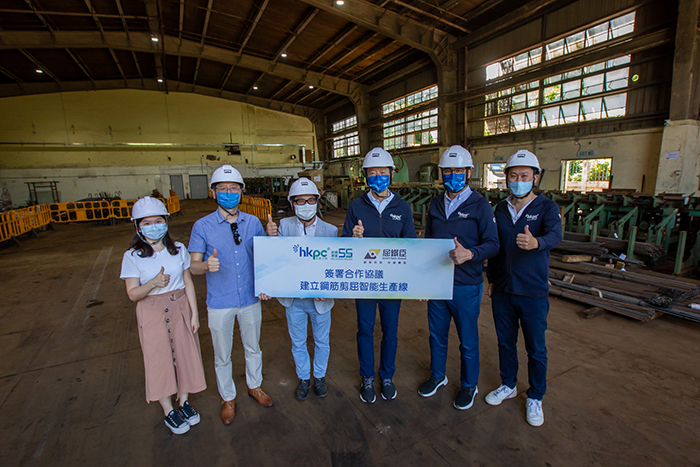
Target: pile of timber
642,295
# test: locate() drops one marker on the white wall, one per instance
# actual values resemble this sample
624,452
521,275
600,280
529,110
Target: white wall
99,119
635,154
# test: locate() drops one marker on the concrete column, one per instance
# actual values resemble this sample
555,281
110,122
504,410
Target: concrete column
685,95
363,116
320,130
679,169
465,89
447,84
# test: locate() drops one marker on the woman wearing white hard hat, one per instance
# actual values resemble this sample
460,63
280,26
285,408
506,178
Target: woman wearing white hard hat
529,226
221,245
378,213
157,275
303,196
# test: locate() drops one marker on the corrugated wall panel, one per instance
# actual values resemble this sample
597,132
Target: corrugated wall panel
340,113
506,44
580,14
413,83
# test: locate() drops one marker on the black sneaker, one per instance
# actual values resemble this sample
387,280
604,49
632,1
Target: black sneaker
367,391
465,398
320,387
302,389
430,387
176,423
189,414
388,389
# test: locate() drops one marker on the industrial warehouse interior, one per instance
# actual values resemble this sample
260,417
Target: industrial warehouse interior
105,102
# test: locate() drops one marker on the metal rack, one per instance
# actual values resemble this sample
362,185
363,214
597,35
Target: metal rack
32,187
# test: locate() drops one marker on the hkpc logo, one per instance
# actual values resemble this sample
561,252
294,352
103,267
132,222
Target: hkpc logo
339,254
372,254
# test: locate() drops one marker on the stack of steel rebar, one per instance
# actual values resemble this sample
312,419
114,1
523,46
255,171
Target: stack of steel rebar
615,244
641,294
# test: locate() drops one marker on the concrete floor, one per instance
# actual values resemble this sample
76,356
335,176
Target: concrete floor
71,382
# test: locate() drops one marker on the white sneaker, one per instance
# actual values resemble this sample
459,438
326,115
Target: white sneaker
535,414
499,395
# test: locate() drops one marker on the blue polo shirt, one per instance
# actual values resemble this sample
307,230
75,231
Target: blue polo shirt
233,285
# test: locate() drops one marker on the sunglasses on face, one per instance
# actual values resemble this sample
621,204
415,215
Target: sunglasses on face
234,231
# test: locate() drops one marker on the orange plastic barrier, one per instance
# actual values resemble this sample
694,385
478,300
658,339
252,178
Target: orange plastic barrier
259,207
20,221
82,211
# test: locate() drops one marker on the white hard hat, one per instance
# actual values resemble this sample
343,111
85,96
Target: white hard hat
226,173
378,157
456,157
523,158
147,207
302,186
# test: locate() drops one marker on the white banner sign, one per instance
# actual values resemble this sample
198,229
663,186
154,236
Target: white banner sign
330,267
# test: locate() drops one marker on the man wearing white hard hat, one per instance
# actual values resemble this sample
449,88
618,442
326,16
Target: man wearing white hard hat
378,213
221,245
303,196
466,217
529,225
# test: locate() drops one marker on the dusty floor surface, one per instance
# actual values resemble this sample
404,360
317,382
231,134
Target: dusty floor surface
72,385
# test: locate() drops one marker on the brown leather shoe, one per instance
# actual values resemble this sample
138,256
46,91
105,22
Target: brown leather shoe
228,411
259,395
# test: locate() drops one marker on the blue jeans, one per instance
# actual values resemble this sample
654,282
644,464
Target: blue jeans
509,312
389,318
464,308
298,314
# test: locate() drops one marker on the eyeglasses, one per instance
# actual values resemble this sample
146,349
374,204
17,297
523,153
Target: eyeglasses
301,202
234,231
454,171
228,190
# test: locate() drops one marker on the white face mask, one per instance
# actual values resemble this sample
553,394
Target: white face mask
305,212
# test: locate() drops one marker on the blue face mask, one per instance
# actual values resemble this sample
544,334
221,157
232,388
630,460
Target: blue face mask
454,182
520,189
379,183
154,232
228,200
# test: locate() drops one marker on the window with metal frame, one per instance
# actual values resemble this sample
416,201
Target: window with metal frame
347,143
418,129
602,32
411,100
604,77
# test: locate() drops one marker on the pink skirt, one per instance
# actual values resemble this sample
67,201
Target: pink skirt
171,354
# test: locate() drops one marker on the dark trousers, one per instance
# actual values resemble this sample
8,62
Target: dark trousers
509,313
464,308
389,319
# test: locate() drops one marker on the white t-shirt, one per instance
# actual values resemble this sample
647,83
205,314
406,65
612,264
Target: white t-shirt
147,268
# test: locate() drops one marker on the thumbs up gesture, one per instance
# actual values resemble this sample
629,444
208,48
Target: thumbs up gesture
460,254
161,280
213,262
526,240
271,227
358,231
